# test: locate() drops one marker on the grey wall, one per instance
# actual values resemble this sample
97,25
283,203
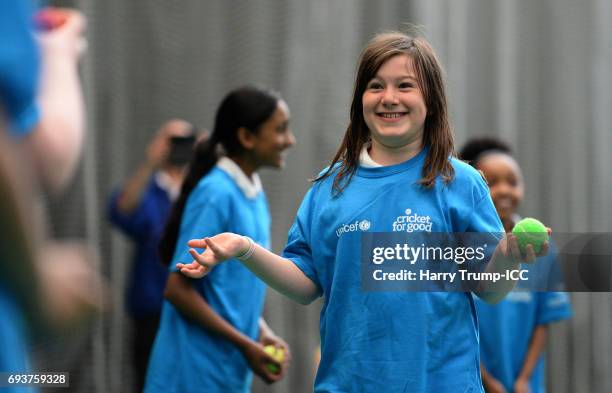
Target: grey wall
534,72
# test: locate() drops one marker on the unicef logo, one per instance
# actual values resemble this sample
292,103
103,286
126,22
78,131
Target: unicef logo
364,225
408,212
357,225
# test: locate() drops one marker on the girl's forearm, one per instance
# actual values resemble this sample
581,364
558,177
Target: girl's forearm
58,140
536,346
282,275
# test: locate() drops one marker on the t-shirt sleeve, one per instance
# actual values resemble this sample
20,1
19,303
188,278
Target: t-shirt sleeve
552,307
19,67
200,219
298,248
484,217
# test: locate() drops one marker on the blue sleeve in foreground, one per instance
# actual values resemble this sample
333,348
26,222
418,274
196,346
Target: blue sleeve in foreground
19,67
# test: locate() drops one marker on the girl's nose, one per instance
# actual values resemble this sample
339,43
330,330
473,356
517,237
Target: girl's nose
290,139
389,96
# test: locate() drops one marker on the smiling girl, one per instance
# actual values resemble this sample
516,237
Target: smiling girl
395,160
513,332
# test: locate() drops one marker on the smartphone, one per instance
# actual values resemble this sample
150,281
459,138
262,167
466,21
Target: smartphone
181,150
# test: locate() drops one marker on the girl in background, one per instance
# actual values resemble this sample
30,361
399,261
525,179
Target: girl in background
395,161
211,333
513,332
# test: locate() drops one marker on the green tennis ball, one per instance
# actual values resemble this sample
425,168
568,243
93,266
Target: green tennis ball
530,231
278,354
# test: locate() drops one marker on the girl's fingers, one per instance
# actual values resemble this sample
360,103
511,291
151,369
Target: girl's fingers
199,258
197,243
513,246
544,250
192,271
530,254
214,248
270,376
504,247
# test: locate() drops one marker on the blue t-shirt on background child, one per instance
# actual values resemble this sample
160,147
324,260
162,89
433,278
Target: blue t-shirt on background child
506,327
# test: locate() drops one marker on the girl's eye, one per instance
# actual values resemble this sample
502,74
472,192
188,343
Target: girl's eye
406,85
374,86
282,128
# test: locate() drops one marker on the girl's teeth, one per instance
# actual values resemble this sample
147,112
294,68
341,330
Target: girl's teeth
391,115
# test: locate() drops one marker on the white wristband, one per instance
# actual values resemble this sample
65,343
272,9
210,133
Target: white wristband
248,253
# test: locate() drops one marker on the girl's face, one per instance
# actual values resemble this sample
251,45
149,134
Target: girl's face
505,183
274,138
393,106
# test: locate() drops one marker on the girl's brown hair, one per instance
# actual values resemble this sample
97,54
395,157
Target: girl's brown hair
438,136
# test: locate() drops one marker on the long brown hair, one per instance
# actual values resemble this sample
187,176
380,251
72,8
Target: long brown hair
438,136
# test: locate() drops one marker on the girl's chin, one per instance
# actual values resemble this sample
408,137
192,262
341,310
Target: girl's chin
394,141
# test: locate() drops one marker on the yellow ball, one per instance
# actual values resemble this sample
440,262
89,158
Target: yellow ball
278,354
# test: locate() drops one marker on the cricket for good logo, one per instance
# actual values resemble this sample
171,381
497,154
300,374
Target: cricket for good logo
363,225
412,222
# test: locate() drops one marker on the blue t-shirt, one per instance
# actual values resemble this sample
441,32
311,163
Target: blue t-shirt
186,358
389,341
19,63
19,66
145,226
506,328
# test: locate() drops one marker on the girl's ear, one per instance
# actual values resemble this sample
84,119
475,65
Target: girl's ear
246,138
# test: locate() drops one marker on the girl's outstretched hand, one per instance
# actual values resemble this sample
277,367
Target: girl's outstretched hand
217,249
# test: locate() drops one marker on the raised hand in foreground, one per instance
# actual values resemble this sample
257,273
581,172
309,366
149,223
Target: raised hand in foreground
217,249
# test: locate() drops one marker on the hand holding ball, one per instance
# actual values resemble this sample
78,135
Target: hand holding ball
278,354
530,231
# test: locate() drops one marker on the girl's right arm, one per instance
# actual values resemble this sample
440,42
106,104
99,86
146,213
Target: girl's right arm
278,272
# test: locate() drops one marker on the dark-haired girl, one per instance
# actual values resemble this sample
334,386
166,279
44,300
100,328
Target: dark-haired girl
211,334
513,332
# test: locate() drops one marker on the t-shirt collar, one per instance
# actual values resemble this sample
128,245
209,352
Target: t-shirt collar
365,160
249,187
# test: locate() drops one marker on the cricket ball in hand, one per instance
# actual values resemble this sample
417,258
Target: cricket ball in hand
530,231
278,354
